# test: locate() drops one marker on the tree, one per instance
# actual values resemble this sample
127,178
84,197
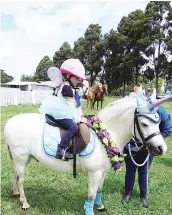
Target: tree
133,28
149,73
4,77
137,52
169,87
65,52
113,57
90,51
160,82
29,78
79,50
41,70
158,20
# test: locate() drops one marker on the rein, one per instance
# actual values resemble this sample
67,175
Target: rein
141,149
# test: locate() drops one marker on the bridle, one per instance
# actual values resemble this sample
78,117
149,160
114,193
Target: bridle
145,145
136,125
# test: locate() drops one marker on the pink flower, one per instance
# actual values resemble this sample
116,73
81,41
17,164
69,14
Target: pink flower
113,150
90,119
98,120
118,165
100,134
107,135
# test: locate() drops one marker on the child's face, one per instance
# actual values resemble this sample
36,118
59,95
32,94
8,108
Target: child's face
75,81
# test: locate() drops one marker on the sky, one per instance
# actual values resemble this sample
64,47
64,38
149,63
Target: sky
32,29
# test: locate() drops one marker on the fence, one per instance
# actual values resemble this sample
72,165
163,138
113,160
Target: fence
16,97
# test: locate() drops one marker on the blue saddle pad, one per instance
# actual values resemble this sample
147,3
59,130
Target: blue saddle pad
51,139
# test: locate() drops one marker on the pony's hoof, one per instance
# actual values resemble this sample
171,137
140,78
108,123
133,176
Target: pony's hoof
25,209
25,206
16,196
101,208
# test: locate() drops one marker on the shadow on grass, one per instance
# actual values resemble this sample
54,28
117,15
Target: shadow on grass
114,185
47,200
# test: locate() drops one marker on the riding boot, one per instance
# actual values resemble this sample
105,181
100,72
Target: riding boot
127,197
62,154
144,200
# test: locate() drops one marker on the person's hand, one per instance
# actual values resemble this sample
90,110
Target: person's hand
84,120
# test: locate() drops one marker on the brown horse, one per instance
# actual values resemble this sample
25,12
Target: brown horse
100,96
90,94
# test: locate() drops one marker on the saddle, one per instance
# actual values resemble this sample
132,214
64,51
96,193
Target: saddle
79,141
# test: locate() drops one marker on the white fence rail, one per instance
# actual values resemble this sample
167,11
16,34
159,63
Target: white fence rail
8,97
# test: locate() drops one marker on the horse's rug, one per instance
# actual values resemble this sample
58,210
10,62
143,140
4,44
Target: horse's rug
52,137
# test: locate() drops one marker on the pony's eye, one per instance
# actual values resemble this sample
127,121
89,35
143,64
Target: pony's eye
144,125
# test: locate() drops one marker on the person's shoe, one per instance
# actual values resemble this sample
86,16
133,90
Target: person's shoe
59,153
145,202
143,197
127,198
62,154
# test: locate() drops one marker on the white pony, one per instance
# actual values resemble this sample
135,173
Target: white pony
23,134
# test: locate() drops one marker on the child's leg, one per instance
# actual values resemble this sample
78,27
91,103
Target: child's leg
72,129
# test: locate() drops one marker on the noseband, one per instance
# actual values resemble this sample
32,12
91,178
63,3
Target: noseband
136,125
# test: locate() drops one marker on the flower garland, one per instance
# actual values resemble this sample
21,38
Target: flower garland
116,158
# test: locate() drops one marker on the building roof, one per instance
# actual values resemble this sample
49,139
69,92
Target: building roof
48,83
21,83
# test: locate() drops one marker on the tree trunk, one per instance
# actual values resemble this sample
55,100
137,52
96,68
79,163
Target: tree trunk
124,88
91,79
136,76
157,68
156,83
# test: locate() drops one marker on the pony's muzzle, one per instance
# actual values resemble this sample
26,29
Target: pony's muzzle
155,151
160,149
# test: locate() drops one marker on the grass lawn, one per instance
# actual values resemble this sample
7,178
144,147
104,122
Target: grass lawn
52,193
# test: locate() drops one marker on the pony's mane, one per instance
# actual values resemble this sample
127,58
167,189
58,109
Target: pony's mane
118,107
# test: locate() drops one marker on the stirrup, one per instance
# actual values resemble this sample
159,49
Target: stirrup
64,153
66,158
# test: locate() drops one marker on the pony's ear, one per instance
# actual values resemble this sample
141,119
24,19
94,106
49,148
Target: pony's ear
142,105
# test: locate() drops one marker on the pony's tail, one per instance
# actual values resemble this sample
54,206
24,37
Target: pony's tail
9,151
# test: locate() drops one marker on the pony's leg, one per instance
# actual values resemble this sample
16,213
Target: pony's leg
98,201
15,188
94,104
20,164
91,104
20,180
101,104
97,105
94,179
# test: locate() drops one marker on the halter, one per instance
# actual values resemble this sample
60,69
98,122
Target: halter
136,125
144,139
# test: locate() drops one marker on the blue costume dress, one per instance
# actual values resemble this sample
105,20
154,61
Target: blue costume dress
65,113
